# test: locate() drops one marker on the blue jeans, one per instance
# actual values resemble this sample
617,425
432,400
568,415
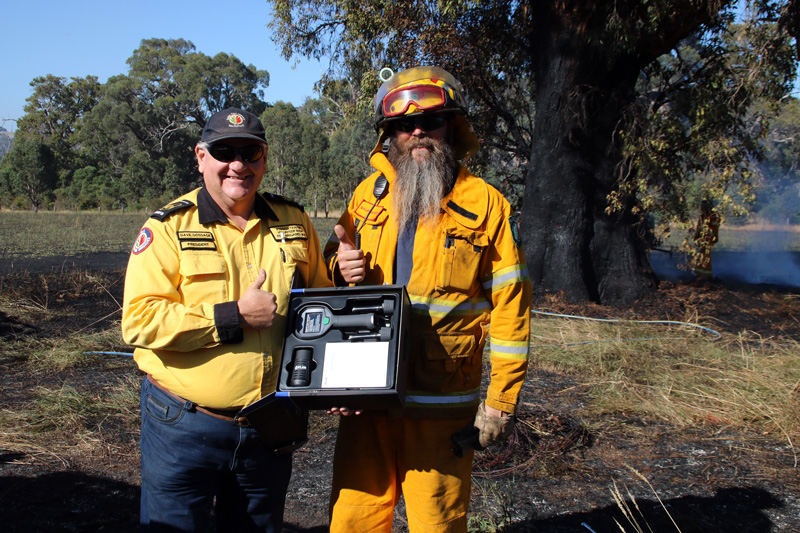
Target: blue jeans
190,458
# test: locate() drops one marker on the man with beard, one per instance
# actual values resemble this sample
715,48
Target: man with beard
452,240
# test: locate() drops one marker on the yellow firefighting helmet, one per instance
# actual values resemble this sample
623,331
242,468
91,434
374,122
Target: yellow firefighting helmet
419,90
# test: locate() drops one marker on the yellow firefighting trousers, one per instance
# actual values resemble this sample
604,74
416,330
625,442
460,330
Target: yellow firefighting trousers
377,458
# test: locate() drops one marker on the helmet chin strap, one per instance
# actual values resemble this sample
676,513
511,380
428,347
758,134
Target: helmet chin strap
385,145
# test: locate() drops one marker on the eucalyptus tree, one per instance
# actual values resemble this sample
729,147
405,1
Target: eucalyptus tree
31,168
586,98
284,133
224,81
314,179
146,122
348,158
55,112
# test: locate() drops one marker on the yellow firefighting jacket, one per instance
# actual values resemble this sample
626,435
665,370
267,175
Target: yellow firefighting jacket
187,268
468,271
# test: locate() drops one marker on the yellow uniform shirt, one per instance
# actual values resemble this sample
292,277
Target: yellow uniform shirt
468,271
188,267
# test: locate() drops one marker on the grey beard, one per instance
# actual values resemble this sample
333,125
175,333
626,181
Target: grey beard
419,187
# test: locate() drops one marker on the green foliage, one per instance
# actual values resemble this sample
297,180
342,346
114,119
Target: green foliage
778,192
55,110
31,169
316,155
348,157
314,178
285,137
691,141
136,132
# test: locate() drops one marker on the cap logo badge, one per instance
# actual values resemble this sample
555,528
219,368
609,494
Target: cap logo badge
236,120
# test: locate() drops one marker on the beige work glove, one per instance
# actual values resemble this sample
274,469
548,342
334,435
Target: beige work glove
491,428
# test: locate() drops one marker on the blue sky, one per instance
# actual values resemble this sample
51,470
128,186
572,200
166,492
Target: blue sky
90,37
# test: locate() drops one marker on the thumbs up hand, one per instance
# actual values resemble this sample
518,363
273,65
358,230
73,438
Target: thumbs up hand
256,307
352,265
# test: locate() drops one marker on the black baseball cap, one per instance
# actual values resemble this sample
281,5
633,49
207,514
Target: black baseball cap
233,123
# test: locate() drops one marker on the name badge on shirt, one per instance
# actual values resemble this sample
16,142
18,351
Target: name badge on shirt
289,232
196,240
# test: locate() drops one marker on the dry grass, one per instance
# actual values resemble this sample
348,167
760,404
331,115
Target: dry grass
630,507
676,373
44,234
61,342
68,420
62,334
53,234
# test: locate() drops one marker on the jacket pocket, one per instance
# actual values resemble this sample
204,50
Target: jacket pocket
447,362
204,277
295,263
461,256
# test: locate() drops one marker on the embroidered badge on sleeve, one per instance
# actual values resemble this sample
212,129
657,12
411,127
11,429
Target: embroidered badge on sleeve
143,240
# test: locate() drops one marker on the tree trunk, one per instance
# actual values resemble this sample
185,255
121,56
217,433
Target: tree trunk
571,243
316,210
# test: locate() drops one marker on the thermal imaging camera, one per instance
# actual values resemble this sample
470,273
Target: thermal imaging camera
346,346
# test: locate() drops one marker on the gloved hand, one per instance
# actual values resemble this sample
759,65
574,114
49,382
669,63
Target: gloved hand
485,430
492,428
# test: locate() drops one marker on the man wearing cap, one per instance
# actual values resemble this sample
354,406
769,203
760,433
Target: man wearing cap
452,240
206,300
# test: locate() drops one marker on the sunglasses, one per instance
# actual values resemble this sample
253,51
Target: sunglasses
227,153
429,123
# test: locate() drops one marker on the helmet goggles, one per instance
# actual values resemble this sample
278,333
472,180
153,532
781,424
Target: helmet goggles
424,97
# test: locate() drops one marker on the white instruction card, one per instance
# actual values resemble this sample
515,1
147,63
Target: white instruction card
356,364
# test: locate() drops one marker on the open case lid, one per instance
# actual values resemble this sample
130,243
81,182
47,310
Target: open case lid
281,423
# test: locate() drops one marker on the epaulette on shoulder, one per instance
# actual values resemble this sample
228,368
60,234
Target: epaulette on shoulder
285,200
170,208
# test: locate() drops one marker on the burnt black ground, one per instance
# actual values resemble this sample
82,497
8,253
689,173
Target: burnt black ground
556,475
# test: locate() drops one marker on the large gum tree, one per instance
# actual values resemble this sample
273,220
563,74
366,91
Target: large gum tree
606,110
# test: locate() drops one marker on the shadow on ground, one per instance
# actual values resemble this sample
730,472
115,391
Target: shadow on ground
727,510
74,501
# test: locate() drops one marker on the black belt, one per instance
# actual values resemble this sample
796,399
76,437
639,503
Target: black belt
231,415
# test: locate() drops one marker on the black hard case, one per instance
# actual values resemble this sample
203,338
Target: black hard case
342,301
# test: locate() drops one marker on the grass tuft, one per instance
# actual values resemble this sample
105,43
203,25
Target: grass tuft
56,420
678,374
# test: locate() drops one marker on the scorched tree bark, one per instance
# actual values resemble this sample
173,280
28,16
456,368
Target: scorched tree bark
585,82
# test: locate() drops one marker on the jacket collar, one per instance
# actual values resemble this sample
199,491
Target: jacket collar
208,211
